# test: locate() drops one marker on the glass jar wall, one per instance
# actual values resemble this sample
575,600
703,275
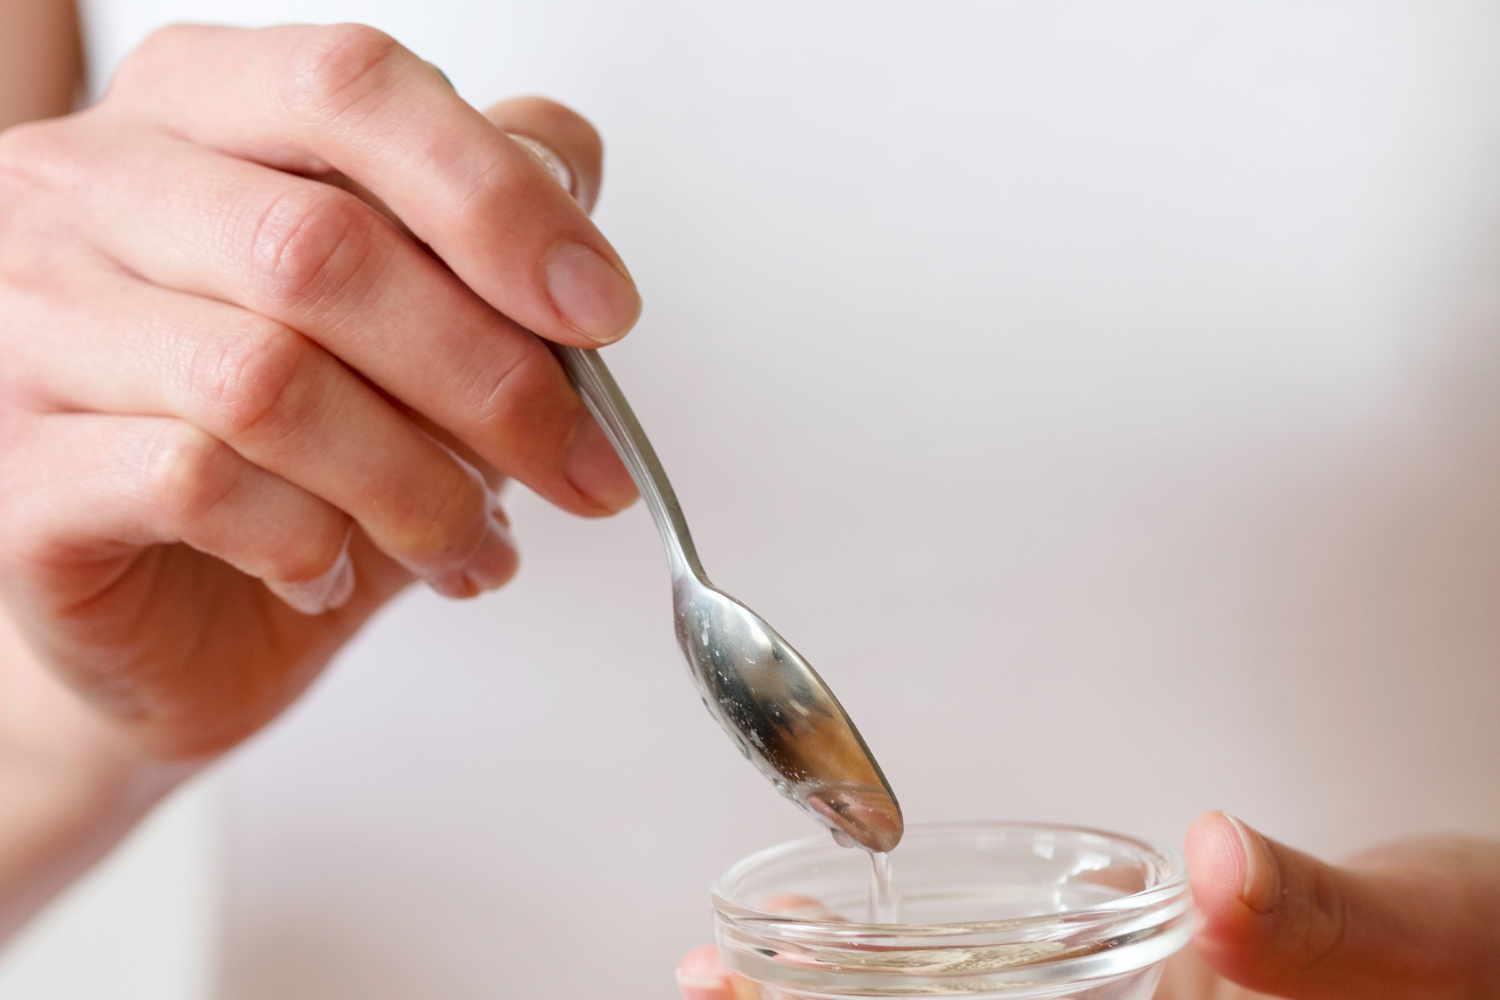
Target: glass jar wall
1005,910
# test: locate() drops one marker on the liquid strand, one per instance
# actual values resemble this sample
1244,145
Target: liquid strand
885,895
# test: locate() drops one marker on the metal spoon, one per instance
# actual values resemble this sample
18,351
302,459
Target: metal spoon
768,699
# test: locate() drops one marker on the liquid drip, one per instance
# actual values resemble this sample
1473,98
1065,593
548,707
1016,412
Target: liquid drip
885,894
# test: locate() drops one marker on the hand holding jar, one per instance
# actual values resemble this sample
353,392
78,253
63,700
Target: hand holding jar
1415,919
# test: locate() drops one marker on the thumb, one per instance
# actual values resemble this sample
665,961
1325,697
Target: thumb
1398,924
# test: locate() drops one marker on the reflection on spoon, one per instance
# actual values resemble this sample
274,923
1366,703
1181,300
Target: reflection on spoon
768,699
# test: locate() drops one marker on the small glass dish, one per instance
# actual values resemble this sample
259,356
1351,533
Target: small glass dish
1012,911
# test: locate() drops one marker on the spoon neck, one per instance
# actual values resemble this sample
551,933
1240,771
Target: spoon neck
592,378
682,554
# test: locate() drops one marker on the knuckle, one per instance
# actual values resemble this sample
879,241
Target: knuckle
308,245
486,194
161,44
141,71
504,391
241,381
188,472
35,153
334,69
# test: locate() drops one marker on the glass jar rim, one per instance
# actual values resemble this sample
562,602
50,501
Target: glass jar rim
832,956
1168,887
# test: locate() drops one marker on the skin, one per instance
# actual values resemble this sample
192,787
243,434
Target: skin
41,60
272,334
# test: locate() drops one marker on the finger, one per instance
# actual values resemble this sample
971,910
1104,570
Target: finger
128,483
796,905
286,405
348,98
1279,921
702,976
317,260
558,136
1186,976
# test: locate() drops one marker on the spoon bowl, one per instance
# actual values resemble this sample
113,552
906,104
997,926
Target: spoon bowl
769,700
782,716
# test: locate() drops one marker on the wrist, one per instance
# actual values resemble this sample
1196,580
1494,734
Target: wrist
70,788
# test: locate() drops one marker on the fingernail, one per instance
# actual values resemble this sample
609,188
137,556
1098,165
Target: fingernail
596,298
454,585
495,562
594,469
702,976
1262,889
692,988
555,164
324,593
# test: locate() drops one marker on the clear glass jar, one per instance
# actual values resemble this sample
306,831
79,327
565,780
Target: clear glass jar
1002,910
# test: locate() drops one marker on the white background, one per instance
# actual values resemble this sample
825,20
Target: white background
1101,395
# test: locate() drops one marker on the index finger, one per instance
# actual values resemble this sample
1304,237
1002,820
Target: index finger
701,975
350,99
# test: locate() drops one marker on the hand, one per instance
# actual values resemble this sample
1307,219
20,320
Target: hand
1414,919
224,379
1417,919
241,408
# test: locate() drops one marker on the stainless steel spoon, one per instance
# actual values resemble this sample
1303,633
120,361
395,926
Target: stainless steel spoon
768,699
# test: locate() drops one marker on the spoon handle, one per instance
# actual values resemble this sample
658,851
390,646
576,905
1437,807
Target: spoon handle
602,395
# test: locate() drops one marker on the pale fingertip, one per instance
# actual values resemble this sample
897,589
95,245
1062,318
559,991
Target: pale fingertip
343,586
495,563
556,165
300,597
455,586
703,989
702,976
324,593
